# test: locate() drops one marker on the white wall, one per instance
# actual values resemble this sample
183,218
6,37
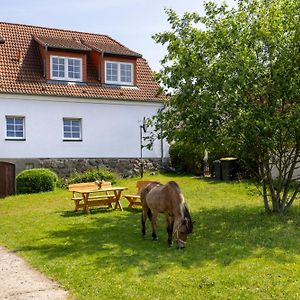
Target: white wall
109,128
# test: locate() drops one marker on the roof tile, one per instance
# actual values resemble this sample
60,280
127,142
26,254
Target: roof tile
59,43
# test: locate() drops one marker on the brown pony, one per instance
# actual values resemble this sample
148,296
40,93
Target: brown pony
167,199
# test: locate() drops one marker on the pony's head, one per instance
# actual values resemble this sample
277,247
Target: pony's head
184,228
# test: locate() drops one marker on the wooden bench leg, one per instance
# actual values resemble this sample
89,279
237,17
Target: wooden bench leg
76,205
86,202
131,202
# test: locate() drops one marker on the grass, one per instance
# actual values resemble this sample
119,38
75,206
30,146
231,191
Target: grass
235,252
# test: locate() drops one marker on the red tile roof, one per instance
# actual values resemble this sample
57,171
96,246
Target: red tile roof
59,43
25,76
111,48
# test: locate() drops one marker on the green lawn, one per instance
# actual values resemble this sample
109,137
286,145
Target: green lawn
235,252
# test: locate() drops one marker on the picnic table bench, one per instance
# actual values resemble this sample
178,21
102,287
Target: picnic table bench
91,194
135,199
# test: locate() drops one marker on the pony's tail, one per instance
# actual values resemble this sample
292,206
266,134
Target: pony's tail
149,213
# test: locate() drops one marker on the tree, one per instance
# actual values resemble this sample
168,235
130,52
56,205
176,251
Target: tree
233,77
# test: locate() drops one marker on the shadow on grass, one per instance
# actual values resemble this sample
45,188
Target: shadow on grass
222,236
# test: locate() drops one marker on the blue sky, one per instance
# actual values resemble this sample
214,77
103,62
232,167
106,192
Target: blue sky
131,22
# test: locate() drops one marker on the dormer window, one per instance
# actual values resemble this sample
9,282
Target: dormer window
66,68
119,73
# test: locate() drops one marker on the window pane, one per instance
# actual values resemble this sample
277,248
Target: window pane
76,135
74,70
75,122
126,73
112,72
58,67
67,122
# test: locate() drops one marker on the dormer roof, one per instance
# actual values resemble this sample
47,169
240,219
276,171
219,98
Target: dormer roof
60,43
111,47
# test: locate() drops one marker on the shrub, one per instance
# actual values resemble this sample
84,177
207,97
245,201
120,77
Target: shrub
186,158
35,181
92,175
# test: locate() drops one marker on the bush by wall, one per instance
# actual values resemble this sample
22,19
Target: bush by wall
90,176
35,181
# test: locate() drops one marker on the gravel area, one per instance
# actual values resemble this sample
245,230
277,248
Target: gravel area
19,281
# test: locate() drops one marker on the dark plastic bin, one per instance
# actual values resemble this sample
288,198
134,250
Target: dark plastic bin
229,167
218,169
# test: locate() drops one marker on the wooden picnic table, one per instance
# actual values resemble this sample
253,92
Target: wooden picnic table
106,199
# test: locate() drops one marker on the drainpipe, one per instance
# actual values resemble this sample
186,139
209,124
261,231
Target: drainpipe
44,67
99,67
161,141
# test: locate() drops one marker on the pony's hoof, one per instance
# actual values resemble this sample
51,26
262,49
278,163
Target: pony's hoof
180,248
155,239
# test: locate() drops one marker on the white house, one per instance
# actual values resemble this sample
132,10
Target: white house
72,100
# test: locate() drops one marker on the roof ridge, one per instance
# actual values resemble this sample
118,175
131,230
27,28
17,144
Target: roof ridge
67,30
53,28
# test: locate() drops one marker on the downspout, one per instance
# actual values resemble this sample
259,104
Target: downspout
44,66
161,139
99,67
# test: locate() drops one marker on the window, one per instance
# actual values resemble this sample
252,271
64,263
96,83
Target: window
72,129
66,68
118,73
15,128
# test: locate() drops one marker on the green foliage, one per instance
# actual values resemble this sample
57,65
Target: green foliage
186,158
233,78
90,176
36,181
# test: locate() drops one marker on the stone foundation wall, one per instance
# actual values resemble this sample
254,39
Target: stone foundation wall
64,167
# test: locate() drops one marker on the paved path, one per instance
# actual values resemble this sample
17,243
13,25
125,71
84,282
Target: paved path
19,281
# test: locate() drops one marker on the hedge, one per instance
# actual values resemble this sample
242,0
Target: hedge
36,181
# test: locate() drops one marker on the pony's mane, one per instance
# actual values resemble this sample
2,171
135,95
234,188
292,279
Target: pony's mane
174,185
187,215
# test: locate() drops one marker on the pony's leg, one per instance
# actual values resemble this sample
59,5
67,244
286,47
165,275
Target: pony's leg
153,223
170,225
143,220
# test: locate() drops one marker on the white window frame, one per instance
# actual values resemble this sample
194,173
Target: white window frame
119,82
80,130
66,77
23,128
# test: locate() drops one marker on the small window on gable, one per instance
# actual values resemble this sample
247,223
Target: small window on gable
15,128
72,129
66,68
118,73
